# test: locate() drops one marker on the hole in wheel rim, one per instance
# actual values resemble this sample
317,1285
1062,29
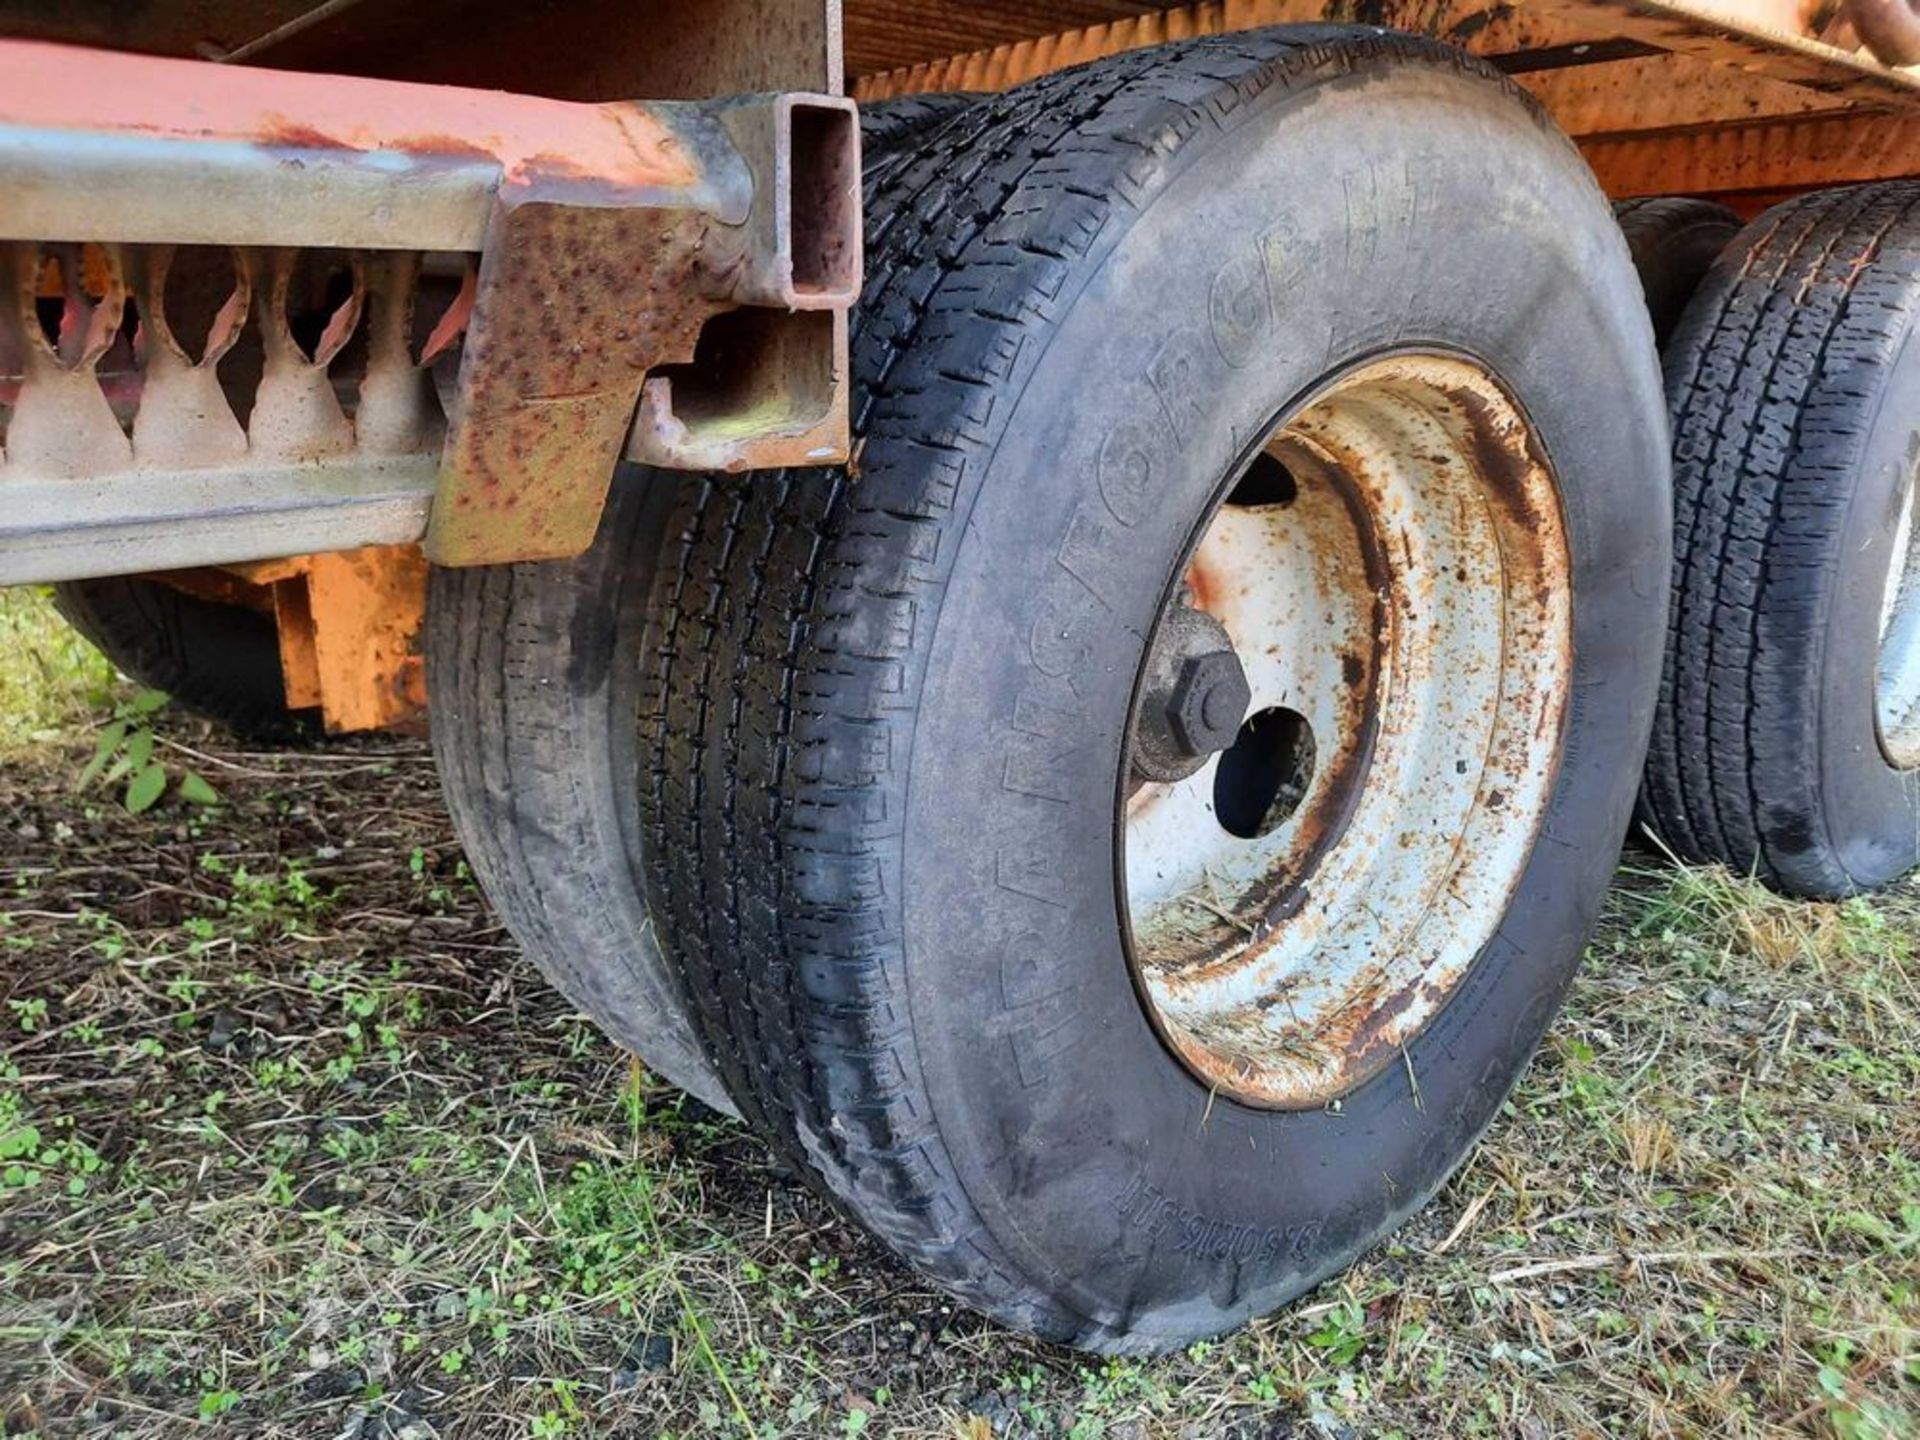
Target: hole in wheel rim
1409,609
1260,780
1265,481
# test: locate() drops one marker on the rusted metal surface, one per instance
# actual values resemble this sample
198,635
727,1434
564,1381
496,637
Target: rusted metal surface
1194,695
1663,92
565,328
783,370
580,296
304,414
1889,28
1779,39
1768,159
355,617
1400,611
1604,67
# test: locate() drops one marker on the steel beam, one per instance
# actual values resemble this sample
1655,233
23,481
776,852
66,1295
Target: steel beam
607,235
65,529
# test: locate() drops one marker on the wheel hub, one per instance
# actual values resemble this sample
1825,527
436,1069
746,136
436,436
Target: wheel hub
1196,696
1897,675
1346,731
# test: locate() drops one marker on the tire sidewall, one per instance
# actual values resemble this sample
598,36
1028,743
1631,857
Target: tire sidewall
1867,811
1417,206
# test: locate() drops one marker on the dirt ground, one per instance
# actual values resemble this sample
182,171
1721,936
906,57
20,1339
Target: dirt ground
294,1142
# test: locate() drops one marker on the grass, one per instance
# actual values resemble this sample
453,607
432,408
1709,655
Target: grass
293,1142
51,681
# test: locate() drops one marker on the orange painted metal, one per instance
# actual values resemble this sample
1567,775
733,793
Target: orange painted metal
299,645
623,146
349,624
1721,97
616,232
608,236
364,610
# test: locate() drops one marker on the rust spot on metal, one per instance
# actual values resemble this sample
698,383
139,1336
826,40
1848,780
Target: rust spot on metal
280,132
449,146
552,371
1201,590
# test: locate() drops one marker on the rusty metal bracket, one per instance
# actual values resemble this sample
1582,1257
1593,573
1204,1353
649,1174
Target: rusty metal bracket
569,317
611,238
586,288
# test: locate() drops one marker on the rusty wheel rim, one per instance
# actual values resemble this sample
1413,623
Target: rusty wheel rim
1390,570
1897,670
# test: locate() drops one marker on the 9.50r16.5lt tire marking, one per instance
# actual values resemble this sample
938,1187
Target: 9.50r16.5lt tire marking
893,713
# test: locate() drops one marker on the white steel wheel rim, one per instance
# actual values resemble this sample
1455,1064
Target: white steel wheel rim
1409,607
1897,669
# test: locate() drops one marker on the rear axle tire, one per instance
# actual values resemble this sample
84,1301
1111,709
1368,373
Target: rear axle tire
531,673
215,660
1787,743
893,718
534,675
1674,240
888,127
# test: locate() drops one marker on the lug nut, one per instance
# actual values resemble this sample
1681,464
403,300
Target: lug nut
1193,697
1208,702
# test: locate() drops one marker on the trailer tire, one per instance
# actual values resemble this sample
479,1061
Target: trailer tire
218,661
531,675
890,712
887,127
1674,239
1787,742
530,685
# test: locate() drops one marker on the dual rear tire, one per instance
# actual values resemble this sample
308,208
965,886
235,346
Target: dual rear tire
1787,741
906,769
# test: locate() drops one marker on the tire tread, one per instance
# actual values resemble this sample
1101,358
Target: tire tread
1766,378
774,808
